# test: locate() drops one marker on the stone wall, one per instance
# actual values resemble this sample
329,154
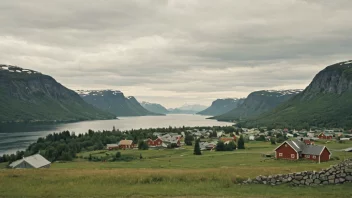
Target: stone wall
337,174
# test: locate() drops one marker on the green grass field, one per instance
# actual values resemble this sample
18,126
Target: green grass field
175,173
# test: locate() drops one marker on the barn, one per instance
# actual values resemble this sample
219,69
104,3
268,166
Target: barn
34,161
295,149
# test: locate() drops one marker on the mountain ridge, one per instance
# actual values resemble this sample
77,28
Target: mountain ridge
115,102
221,106
154,107
30,96
326,102
258,102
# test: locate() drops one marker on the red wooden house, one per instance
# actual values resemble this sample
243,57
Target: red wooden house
156,142
308,142
324,136
295,149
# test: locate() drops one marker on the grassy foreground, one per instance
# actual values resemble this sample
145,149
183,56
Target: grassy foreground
169,173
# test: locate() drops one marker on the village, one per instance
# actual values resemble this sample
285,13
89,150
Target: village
288,144
293,145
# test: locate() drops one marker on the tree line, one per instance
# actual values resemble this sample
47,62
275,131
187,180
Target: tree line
65,145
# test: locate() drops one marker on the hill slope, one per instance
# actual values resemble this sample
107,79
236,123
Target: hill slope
114,102
257,103
326,102
187,109
27,95
154,107
221,106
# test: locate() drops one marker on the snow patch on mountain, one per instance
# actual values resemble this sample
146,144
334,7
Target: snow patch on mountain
97,92
16,69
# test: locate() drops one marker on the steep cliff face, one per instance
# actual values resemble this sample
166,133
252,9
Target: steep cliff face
334,79
114,102
326,102
258,102
221,106
27,95
154,107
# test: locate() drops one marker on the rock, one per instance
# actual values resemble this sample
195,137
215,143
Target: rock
348,170
264,182
337,181
284,181
342,180
298,177
343,174
317,181
349,178
331,177
325,182
331,181
295,181
258,178
289,179
305,177
309,181
272,180
303,181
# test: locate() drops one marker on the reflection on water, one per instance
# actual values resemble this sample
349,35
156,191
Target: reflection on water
18,137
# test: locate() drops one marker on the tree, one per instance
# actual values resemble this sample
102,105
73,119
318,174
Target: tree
118,155
142,145
188,139
231,146
260,138
241,143
220,146
197,148
273,140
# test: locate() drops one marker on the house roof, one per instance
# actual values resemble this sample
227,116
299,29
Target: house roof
300,147
313,149
296,145
36,161
125,142
112,145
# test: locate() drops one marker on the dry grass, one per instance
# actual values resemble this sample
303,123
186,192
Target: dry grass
167,173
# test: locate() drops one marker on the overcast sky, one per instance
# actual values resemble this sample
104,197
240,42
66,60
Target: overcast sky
177,51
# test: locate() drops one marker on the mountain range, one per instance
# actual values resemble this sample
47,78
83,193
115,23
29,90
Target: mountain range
221,106
29,96
326,102
114,102
257,103
187,109
154,107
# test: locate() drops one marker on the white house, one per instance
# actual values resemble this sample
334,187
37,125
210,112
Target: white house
34,161
289,135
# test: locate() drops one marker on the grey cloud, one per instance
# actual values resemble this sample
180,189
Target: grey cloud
177,51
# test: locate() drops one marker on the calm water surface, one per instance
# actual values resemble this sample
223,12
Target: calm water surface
17,138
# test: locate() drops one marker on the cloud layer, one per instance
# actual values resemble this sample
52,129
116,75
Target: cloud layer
177,51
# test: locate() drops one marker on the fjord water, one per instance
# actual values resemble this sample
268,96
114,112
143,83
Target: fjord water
17,137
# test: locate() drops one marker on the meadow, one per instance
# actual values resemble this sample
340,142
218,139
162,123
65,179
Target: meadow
174,173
